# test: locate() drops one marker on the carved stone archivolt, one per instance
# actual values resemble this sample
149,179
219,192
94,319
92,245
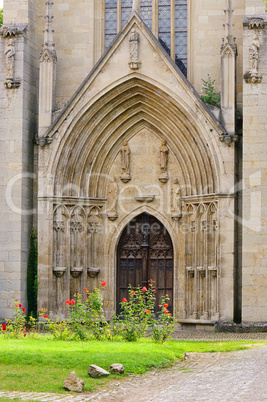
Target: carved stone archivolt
163,162
134,43
125,162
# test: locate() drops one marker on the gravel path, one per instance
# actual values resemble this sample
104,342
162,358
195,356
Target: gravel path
234,376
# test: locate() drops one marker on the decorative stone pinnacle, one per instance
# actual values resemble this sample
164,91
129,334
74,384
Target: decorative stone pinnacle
48,45
228,23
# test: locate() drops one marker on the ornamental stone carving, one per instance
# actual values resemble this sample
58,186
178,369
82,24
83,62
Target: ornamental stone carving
163,161
134,42
10,64
176,202
125,162
253,76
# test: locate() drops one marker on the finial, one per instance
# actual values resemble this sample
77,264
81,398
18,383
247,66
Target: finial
48,31
228,25
135,6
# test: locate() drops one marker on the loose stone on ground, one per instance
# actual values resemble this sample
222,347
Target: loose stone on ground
96,371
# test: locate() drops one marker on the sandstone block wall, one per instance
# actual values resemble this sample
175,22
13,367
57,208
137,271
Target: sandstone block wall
255,183
18,126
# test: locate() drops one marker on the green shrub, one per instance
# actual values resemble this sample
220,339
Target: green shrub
210,96
32,284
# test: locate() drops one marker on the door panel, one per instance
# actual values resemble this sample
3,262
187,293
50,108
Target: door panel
145,252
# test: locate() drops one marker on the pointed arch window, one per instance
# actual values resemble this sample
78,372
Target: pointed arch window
169,24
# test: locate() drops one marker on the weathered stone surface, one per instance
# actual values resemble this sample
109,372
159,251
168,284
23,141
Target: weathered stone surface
73,383
96,371
116,368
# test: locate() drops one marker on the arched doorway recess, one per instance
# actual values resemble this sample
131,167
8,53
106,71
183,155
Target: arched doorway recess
145,252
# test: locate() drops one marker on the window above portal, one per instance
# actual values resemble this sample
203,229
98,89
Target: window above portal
167,19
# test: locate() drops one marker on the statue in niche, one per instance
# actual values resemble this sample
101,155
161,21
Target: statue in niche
254,54
253,76
164,152
176,202
125,162
10,59
134,40
112,199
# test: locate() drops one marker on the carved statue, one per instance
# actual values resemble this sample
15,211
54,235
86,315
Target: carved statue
254,54
134,40
134,45
176,202
125,162
163,157
176,197
112,196
10,58
125,158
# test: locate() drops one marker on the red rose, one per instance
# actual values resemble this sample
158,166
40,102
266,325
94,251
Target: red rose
165,305
124,300
24,335
104,283
166,311
4,327
133,292
45,316
67,301
85,289
16,299
20,305
170,315
144,289
148,311
23,309
72,301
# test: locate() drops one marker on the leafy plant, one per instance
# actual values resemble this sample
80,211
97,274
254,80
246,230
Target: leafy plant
163,327
32,284
1,17
17,325
210,95
137,312
265,1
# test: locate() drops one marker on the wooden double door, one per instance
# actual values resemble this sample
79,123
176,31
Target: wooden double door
145,252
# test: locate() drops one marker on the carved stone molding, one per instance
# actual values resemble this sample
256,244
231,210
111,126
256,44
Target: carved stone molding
48,56
76,271
42,141
93,272
59,271
256,23
191,271
13,30
134,43
11,84
228,138
145,198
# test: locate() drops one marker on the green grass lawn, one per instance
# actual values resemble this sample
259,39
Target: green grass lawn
42,364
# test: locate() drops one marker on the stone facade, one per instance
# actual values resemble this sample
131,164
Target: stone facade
124,133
